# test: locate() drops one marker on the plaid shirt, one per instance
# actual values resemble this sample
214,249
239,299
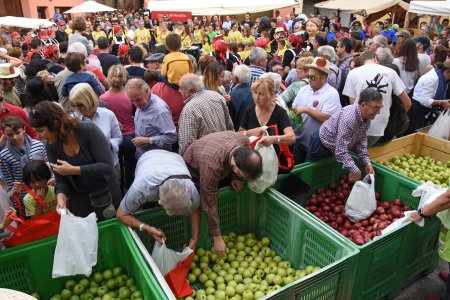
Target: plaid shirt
205,112
208,160
343,131
344,68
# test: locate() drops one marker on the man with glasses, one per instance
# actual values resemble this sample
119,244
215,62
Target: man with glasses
315,102
347,130
162,177
386,81
61,34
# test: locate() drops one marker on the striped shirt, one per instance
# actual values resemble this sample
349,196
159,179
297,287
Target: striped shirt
11,168
205,112
208,160
343,131
256,72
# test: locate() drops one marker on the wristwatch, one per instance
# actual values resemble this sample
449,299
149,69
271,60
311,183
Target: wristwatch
420,213
278,139
141,227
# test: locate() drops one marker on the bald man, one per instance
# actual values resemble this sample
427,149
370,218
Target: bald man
204,112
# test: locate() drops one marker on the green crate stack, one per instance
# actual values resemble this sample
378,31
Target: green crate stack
294,235
28,268
391,261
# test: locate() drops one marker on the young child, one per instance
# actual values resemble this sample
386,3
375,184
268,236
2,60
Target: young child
36,175
75,62
175,64
207,47
281,49
244,50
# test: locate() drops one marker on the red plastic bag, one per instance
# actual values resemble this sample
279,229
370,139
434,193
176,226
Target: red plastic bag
34,229
176,279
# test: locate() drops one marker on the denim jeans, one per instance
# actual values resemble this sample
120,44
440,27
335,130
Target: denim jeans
127,160
316,150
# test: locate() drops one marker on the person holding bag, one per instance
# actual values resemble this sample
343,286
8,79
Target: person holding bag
346,130
265,112
81,159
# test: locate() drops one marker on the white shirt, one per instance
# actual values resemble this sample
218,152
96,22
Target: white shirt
408,77
107,122
385,80
426,88
226,25
424,60
325,100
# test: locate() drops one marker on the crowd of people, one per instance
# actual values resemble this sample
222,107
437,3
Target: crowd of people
109,112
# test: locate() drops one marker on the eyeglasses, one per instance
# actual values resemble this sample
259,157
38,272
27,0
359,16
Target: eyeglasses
375,108
311,77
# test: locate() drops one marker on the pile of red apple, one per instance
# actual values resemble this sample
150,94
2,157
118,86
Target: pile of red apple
329,206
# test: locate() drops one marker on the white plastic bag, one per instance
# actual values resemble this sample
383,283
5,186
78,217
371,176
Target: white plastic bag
270,168
76,248
441,126
361,202
428,192
166,259
399,223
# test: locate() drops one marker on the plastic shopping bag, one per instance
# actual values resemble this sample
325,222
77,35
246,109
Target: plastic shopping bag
361,202
398,223
270,167
441,126
76,248
428,192
166,259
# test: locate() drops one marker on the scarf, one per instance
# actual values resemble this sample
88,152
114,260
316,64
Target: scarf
18,154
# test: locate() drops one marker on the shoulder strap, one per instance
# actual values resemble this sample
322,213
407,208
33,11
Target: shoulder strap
176,177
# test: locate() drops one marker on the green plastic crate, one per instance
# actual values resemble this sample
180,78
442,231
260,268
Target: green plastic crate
28,268
295,235
391,261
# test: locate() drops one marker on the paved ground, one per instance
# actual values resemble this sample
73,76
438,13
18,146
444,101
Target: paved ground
421,288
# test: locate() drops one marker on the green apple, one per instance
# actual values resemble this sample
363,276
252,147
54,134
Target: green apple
208,283
269,278
203,278
258,294
232,236
230,257
220,295
232,283
242,253
204,259
203,265
228,277
219,279
232,271
247,281
265,241
239,258
277,280
281,272
247,295
277,258
210,291
216,268
247,273
234,264
200,252
288,279
212,276
247,250
240,289
196,272
240,246
191,278
260,273
244,264
221,287
309,269
230,291
254,264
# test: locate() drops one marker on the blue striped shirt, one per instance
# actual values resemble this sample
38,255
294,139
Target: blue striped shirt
11,169
256,72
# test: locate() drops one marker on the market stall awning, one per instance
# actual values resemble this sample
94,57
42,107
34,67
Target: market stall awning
24,22
437,8
220,7
361,7
89,6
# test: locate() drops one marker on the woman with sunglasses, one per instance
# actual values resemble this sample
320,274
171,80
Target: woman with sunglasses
80,156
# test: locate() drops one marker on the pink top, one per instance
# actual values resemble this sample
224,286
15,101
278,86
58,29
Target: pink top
172,97
121,106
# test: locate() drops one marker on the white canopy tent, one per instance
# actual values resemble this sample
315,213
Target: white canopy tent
24,22
361,7
435,8
89,6
220,7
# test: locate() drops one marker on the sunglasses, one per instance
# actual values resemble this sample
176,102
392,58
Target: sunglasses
311,77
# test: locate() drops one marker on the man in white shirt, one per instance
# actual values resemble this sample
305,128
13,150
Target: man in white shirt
227,23
422,43
423,99
386,81
316,102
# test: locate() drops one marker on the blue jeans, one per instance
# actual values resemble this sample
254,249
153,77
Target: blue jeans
316,150
127,160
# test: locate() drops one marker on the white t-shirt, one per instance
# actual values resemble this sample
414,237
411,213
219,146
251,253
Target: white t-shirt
424,60
325,100
408,77
426,88
377,76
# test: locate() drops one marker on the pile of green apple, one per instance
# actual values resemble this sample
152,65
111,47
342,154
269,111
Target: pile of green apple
110,284
250,270
421,168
